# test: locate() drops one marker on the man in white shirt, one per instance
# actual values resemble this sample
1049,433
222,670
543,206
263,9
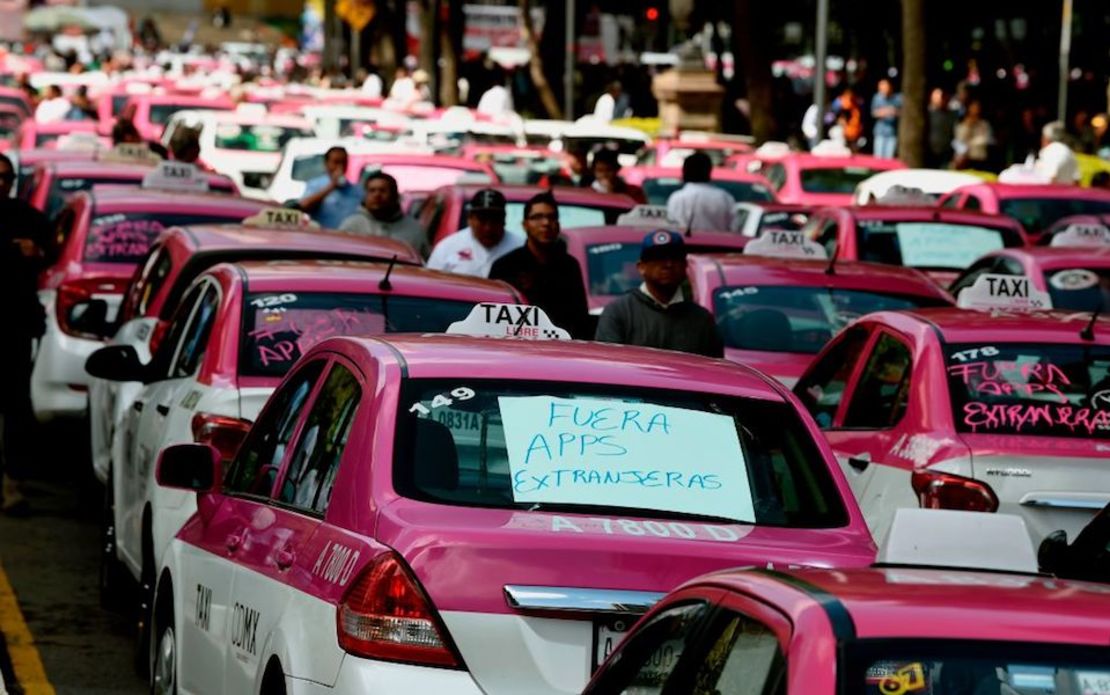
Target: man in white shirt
612,104
473,250
699,204
1056,163
53,107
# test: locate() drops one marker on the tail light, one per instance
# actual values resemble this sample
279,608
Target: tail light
223,432
386,615
73,293
156,335
936,490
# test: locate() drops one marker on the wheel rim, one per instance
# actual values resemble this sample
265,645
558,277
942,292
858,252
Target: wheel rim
165,665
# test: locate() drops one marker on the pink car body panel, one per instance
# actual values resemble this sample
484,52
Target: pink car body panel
791,190
992,197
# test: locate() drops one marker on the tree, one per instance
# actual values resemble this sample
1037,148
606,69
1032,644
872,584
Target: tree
751,37
535,63
911,127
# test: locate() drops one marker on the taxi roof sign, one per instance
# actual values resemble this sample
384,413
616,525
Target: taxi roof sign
647,216
493,320
131,153
785,243
992,291
280,218
1082,235
176,176
958,539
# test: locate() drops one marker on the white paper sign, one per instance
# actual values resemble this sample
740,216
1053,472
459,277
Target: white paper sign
176,176
647,216
131,153
783,243
1082,235
933,245
492,320
618,454
1003,292
279,218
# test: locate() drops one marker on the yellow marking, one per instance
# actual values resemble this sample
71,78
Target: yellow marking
26,663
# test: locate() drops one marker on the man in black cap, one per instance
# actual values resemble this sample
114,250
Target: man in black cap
544,272
658,313
473,250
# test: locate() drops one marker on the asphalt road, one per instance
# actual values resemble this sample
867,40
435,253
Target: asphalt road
51,559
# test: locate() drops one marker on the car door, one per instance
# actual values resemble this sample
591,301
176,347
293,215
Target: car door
273,551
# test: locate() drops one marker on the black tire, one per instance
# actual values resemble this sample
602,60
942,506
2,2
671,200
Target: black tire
273,681
113,575
163,658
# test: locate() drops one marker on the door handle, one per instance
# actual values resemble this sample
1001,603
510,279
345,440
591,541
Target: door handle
284,558
162,409
235,540
860,462
137,406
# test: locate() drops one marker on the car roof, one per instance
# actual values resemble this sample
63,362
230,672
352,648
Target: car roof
64,127
733,268
344,276
229,236
568,195
1059,256
246,118
176,97
931,603
718,174
156,199
1036,190
970,325
624,234
808,160
445,356
920,213
417,160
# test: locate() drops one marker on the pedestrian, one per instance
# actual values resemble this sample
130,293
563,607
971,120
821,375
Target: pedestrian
54,106
125,132
699,204
942,129
849,118
372,84
381,215
658,314
886,108
612,104
81,107
543,271
606,168
974,138
25,321
330,198
474,250
185,144
1056,163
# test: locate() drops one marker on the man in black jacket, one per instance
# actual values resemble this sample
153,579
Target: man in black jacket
658,314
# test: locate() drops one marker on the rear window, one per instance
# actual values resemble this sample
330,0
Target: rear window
570,216
785,221
126,237
255,138
544,446
1046,390
1038,214
278,327
929,245
834,180
611,268
1079,289
44,139
308,167
659,190
62,188
160,114
796,319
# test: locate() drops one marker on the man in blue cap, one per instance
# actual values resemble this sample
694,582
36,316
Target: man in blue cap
658,314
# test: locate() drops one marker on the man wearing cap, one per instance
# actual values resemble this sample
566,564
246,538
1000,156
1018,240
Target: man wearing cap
473,251
658,314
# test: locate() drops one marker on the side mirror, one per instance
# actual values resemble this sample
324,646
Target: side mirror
195,467
1052,555
116,363
90,317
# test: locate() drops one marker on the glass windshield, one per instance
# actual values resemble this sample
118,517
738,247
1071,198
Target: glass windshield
834,180
126,237
62,188
308,167
160,114
118,102
523,170
659,190
44,139
586,144
786,221
255,138
925,667
932,245
611,450
1037,214
796,319
1047,390
1079,289
570,216
611,268
280,326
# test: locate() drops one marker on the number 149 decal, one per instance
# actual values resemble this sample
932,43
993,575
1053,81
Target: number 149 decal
441,400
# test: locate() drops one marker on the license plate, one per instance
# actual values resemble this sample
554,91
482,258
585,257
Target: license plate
1093,682
607,635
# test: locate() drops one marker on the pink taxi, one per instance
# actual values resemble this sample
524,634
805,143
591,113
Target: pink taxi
775,314
101,236
17,98
672,152
151,112
660,182
460,514
1035,206
419,174
814,179
25,162
33,135
1076,279
983,410
940,242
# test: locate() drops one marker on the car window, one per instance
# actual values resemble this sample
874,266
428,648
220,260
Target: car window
834,179
256,465
929,244
63,228
776,174
646,660
879,398
178,323
1079,289
952,202
973,203
194,341
828,236
821,389
125,237
150,278
743,658
315,462
1037,214
969,276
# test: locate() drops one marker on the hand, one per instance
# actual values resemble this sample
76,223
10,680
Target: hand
338,180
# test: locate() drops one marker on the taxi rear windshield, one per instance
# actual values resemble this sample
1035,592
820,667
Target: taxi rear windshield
62,188
1078,289
1045,390
929,245
1037,214
278,327
611,268
126,237
608,450
255,138
658,191
797,319
570,216
834,180
925,667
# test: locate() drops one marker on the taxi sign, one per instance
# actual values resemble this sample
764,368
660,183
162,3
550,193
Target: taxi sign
492,320
785,243
279,218
647,216
1082,235
992,291
176,176
131,153
79,142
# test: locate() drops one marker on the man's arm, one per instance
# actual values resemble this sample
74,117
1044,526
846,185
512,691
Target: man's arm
312,201
611,324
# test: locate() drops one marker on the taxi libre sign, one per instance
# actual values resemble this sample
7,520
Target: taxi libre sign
1082,235
647,216
1003,292
492,320
783,243
176,176
279,218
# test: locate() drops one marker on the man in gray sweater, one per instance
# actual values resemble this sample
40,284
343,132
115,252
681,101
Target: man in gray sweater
658,314
380,215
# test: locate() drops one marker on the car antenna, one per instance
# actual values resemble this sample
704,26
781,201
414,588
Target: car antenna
385,285
520,323
690,227
1088,332
830,269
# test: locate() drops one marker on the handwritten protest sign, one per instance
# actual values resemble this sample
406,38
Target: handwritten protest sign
116,239
618,454
932,245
